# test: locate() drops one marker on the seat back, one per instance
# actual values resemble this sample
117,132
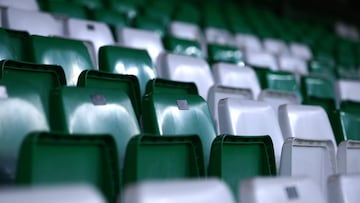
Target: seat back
182,46
348,157
27,5
13,45
347,90
293,64
343,188
277,98
261,58
224,53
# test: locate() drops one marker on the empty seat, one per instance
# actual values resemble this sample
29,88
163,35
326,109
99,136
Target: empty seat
71,193
115,20
343,188
122,60
25,5
91,160
275,46
32,22
171,112
186,69
66,9
278,98
248,42
224,53
175,191
141,39
72,55
280,190
86,110
184,30
347,90
182,46
150,23
277,80
293,64
236,158
345,123
348,157
163,158
300,50
250,118
218,36
13,44
261,59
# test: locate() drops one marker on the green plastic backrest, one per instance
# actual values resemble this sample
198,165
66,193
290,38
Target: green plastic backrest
89,3
182,46
224,53
346,125
179,114
127,8
19,115
50,158
68,9
163,157
114,19
127,84
94,111
235,158
12,44
283,81
150,23
72,55
42,78
130,61
163,86
187,13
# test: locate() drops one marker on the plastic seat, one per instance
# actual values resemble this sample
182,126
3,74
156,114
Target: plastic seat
261,59
89,3
71,193
128,8
293,64
115,20
343,188
163,158
310,158
224,53
85,110
278,98
32,22
66,10
250,118
347,157
72,55
275,46
218,36
176,191
322,66
345,123
13,44
127,84
141,39
173,112
150,23
129,61
347,90
277,80
93,160
25,5
236,158
182,46
300,50
185,30
248,42
175,67
280,190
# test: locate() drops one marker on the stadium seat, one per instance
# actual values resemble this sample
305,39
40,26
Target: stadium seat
218,36
347,157
149,23
347,90
70,193
175,67
277,80
89,3
224,53
13,44
32,22
24,5
163,158
182,46
185,30
128,8
171,112
261,59
163,86
250,118
300,50
277,98
176,191
275,46
141,39
343,188
248,42
72,55
280,190
66,9
91,160
85,110
322,67
236,158
115,20
345,123
293,64
122,60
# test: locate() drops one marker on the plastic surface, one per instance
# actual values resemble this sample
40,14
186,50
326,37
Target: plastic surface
182,46
348,157
224,53
343,188
218,36
163,157
345,123
185,30
300,50
248,42
162,86
27,5
90,159
293,64
275,46
347,90
277,80
13,44
235,158
278,98
261,58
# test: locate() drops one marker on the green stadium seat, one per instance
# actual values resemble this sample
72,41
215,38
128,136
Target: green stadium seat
346,123
89,3
12,44
223,53
83,110
72,55
163,157
67,9
115,20
128,8
322,67
150,24
182,46
122,60
50,158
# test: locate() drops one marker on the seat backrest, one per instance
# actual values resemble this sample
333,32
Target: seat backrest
248,42
13,44
346,124
250,118
163,158
182,46
91,160
275,46
293,64
347,90
348,157
300,50
186,69
224,53
277,98
343,188
218,36
185,30
25,5
66,10
176,191
72,55
33,22
277,80
261,58
280,190
122,60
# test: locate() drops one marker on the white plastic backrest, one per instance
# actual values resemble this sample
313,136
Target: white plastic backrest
251,118
141,39
277,98
96,32
344,188
179,191
348,157
305,122
275,46
248,42
293,64
218,36
185,30
218,92
186,69
53,194
300,50
262,59
236,76
34,22
25,4
3,92
311,158
280,190
349,90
